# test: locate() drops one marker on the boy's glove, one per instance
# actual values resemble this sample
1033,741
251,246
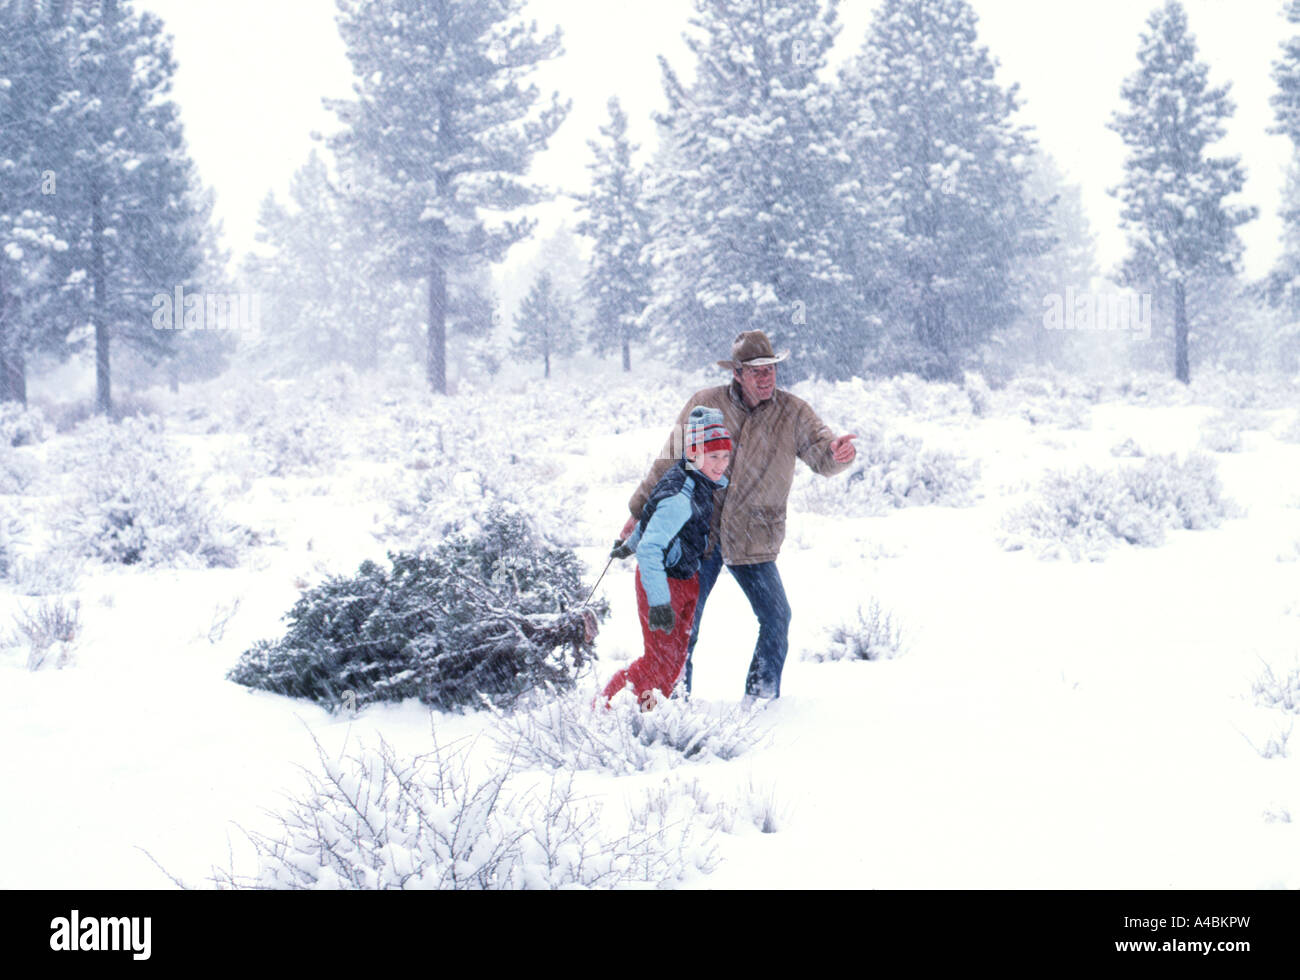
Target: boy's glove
661,618
621,550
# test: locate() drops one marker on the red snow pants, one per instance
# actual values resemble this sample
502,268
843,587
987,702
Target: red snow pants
664,659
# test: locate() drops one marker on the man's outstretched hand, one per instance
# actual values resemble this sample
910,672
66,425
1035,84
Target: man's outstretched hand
842,449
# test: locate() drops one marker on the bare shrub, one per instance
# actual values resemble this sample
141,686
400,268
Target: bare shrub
570,733
54,571
374,821
1275,746
50,631
1274,691
872,635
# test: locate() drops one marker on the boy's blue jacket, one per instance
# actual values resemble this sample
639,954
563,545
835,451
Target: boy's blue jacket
673,533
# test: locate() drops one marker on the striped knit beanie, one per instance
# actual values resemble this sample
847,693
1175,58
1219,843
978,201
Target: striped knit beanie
706,431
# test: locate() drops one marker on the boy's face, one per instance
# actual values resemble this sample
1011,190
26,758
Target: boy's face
713,464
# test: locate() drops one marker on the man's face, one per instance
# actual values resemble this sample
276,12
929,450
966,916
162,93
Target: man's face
757,383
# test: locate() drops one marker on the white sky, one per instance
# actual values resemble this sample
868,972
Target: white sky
251,75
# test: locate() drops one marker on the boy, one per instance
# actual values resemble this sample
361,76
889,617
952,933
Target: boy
669,540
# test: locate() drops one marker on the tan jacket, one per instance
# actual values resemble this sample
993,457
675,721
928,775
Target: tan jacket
750,513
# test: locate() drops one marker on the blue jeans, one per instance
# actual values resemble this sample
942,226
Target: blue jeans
762,587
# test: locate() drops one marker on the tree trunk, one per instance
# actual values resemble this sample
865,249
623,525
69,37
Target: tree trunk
436,365
1182,370
546,359
627,355
13,378
98,312
13,375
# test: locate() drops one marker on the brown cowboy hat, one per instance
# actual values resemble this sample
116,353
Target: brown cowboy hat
752,348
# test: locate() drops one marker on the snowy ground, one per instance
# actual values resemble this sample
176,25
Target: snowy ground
1050,723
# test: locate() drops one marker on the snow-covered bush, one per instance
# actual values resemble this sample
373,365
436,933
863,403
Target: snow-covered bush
1222,434
337,387
454,495
1235,390
872,635
1049,399
889,471
21,426
18,471
247,405
296,442
50,631
1081,513
927,399
374,821
482,617
574,732
1061,413
1153,390
134,502
69,416
1185,494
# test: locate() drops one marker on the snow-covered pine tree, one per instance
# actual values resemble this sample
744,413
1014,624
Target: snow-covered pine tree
1282,286
32,67
559,255
325,296
128,198
618,223
1071,263
545,323
932,133
1229,326
487,615
445,126
203,350
1173,194
746,230
1286,73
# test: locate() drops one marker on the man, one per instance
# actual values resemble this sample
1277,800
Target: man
770,429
